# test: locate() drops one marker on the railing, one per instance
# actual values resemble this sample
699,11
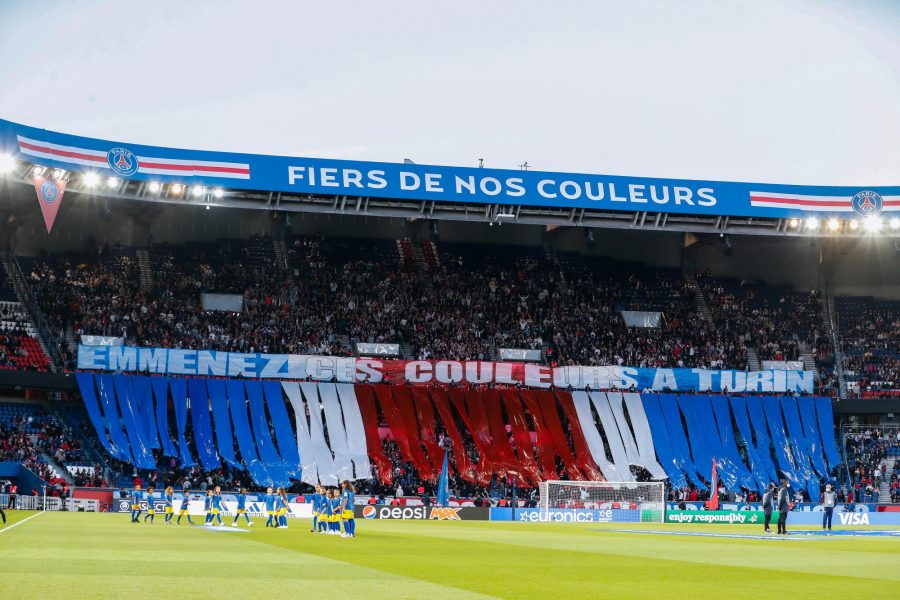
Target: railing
27,502
52,342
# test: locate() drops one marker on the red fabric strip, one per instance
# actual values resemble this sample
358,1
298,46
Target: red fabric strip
583,457
480,436
425,414
544,444
442,404
365,398
549,408
524,444
404,403
490,399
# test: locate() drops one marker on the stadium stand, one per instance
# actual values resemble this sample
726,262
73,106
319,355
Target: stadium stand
871,341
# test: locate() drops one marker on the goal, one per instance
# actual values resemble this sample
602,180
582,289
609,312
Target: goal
612,501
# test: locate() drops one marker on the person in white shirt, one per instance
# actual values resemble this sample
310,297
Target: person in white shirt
828,501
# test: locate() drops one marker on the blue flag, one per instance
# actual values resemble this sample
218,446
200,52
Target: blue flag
443,487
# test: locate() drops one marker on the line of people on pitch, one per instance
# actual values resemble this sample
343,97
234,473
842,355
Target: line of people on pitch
276,503
780,499
333,506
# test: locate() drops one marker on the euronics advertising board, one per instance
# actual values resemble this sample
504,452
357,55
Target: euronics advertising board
568,515
426,183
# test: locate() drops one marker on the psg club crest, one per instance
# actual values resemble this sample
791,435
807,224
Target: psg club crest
49,192
867,203
122,161
50,195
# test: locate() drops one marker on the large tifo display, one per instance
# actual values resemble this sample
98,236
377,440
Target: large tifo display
280,431
208,363
440,183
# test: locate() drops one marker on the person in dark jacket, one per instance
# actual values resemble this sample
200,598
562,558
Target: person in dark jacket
783,504
768,505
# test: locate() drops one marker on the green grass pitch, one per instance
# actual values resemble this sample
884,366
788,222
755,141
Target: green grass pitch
85,555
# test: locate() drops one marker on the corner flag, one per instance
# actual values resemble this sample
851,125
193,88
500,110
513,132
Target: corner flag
713,503
443,487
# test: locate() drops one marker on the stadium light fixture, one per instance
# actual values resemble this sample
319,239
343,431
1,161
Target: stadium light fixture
37,171
812,223
218,192
833,224
794,223
112,182
90,179
7,163
854,225
198,190
58,174
155,187
895,223
176,188
873,224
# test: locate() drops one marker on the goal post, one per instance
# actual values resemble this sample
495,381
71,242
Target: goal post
613,501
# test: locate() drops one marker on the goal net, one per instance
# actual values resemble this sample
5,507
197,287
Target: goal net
599,501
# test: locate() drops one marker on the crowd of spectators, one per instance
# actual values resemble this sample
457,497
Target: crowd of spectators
871,342
469,302
866,463
24,438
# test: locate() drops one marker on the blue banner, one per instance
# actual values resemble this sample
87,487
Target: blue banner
209,363
427,183
567,515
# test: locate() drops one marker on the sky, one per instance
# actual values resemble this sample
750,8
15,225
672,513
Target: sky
802,91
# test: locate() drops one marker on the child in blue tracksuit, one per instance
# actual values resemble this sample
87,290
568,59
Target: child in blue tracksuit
335,520
325,512
316,500
270,506
183,511
151,511
347,501
217,505
242,508
136,497
207,506
169,499
281,508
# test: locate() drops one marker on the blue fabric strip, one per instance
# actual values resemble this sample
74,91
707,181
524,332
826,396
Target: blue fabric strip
826,426
661,443
160,386
680,449
222,421
264,444
237,403
119,443
178,387
140,450
772,410
763,471
284,433
203,437
143,398
89,396
807,407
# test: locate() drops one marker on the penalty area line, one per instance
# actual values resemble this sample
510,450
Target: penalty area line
25,520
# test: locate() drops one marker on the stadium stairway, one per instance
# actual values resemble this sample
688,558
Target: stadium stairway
884,488
281,254
809,363
830,316
143,261
702,306
56,469
753,360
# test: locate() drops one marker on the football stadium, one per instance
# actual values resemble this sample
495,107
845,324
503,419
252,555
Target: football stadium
329,369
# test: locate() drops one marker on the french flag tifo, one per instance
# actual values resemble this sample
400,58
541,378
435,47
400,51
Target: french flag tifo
123,162
813,203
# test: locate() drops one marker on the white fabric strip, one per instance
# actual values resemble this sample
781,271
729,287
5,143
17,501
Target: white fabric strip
356,433
592,436
631,450
613,438
644,438
310,474
337,436
324,458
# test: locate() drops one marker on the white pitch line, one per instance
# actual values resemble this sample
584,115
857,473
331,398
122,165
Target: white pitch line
14,525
